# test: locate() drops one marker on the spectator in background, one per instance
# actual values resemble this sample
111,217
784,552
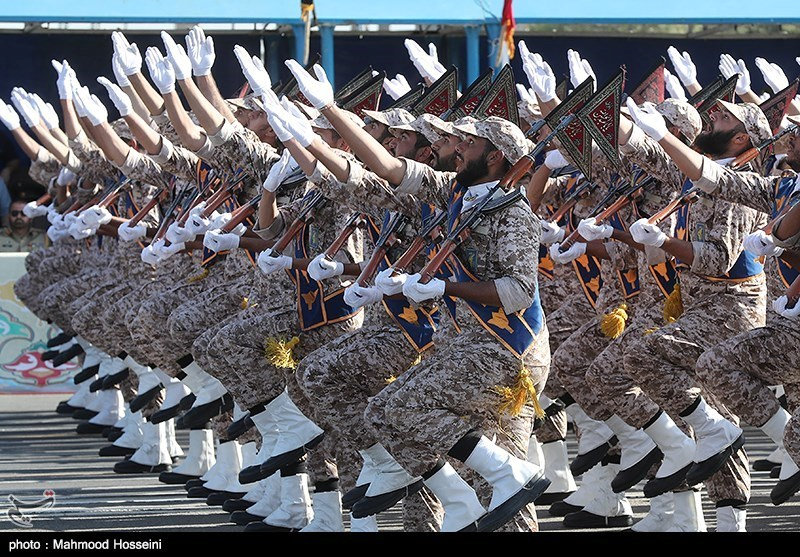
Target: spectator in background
20,235
5,203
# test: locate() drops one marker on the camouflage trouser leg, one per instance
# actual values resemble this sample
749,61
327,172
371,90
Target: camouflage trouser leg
122,312
571,362
54,300
86,320
128,387
112,318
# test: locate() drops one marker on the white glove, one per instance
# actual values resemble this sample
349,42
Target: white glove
77,101
19,97
579,69
130,60
762,244
217,241
66,177
95,216
773,75
684,66
201,51
121,100
647,234
119,72
56,234
396,87
673,85
779,306
198,209
129,233
319,92
29,209
161,71
555,160
648,119
551,233
218,220
95,110
66,79
528,96
418,293
321,268
152,254
52,215
427,63
390,283
271,264
8,116
196,224
541,78
177,234
276,115
357,296
574,252
79,231
168,251
253,70
46,111
591,231
177,57
69,219
728,67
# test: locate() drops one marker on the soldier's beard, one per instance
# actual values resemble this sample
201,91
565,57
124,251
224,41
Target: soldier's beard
715,144
447,164
474,170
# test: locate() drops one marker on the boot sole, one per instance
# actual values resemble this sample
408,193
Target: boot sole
275,463
240,427
141,401
660,486
113,450
764,465
629,477
353,496
550,498
233,505
251,474
701,471
585,519
130,467
218,498
785,489
560,508
115,379
165,414
243,518
86,373
583,463
368,506
506,511
175,478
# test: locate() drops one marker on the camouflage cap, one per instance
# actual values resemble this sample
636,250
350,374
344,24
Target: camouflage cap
391,117
248,102
323,123
121,128
423,125
683,116
753,118
503,134
442,126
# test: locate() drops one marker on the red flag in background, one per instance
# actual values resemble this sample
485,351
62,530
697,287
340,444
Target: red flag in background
505,48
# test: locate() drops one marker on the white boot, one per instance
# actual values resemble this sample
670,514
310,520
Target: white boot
593,435
255,493
535,453
327,508
556,468
174,393
731,519
369,471
660,516
206,387
391,476
111,366
606,509
296,430
173,446
126,413
368,524
590,482
148,380
200,457
270,499
775,426
154,446
678,448
228,464
460,502
713,433
133,434
82,396
635,444
295,510
688,512
113,408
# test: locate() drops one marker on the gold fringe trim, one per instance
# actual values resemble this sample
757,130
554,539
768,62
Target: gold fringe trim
391,379
612,324
514,398
197,278
673,307
650,331
244,303
417,360
279,352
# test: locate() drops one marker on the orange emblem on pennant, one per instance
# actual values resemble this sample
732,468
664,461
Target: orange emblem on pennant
409,315
309,298
500,320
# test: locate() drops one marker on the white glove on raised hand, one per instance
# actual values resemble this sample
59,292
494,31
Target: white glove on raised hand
551,233
24,105
540,76
121,100
177,233
647,234
779,305
128,233
390,283
47,113
152,253
648,119
130,59
357,296
66,177
8,116
217,241
396,87
161,71
77,101
427,63
177,57
773,75
96,111
253,70
119,73
200,50
579,69
760,244
95,216
319,92
30,208
589,230
418,292
298,125
555,160
684,66
66,79
271,264
321,268
278,172
728,67
673,85
168,251
574,252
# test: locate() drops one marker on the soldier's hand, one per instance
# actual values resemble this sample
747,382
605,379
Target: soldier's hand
389,282
773,75
396,87
579,69
427,63
673,85
129,233
648,119
762,244
120,99
780,304
574,252
271,264
319,91
151,254
417,292
253,70
217,241
8,116
728,67
161,71
357,296
555,160
551,233
589,230
200,50
684,66
647,234
95,216
130,59
321,268
177,233
177,57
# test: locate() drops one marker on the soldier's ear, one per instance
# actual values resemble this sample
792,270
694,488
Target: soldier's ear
424,154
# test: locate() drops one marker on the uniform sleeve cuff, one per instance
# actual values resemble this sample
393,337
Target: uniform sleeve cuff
512,296
634,141
273,230
224,134
165,152
709,176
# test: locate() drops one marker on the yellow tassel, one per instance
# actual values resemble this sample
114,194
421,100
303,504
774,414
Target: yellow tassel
279,352
612,324
673,307
391,379
514,398
244,303
417,360
650,331
198,278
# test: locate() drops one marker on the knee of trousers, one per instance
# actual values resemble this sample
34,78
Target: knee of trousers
640,354
710,363
375,413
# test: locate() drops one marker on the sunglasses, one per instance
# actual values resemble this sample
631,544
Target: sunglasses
15,213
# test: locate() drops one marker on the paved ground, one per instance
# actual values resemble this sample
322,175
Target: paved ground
40,450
